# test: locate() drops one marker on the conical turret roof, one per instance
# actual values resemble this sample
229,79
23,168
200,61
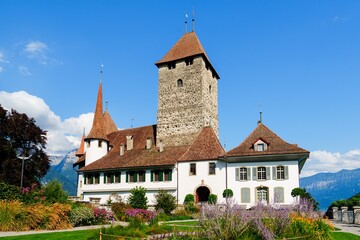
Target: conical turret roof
109,124
98,129
81,151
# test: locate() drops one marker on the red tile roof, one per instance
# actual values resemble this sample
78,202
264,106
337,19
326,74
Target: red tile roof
205,147
188,45
98,130
275,144
108,123
81,151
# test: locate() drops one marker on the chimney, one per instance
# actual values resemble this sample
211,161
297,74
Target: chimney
121,150
148,143
129,142
161,146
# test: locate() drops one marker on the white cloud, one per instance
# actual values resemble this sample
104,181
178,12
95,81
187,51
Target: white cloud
37,50
1,69
63,135
323,161
24,71
2,58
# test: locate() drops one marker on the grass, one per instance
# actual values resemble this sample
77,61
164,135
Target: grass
81,234
345,236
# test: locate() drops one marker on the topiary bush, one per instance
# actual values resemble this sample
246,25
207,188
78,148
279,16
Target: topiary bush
228,193
212,199
137,198
189,198
165,201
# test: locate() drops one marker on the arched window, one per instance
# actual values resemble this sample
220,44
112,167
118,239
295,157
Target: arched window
179,83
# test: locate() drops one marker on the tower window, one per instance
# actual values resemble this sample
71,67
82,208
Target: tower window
189,61
180,83
171,65
209,89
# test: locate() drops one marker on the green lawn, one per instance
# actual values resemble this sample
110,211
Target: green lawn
83,234
345,236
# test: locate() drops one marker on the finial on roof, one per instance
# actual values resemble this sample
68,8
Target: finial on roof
186,22
101,71
260,120
132,120
193,21
107,104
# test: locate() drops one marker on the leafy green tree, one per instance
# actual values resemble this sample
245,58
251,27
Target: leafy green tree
9,192
302,193
18,131
54,192
165,201
137,198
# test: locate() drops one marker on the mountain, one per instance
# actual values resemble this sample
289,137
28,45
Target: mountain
328,187
61,169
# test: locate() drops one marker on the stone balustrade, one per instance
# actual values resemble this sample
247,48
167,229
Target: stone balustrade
345,215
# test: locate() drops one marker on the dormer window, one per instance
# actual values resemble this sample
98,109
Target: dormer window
260,146
179,83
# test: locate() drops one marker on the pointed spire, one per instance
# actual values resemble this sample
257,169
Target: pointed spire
98,131
81,150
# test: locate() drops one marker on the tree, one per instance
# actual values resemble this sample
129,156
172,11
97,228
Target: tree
17,130
137,198
165,201
303,194
228,193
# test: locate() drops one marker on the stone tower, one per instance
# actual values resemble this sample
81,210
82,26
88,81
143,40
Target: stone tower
188,93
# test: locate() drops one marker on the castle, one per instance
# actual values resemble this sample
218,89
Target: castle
182,153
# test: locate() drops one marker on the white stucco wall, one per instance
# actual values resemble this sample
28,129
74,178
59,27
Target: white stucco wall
93,152
188,184
288,185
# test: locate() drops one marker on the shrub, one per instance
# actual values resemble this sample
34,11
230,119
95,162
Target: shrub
189,198
54,193
137,198
212,199
9,192
139,216
118,208
16,216
102,216
165,201
81,216
228,193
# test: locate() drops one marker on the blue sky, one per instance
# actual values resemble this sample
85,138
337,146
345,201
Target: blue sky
296,61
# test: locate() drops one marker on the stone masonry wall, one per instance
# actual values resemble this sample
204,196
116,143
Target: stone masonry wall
184,111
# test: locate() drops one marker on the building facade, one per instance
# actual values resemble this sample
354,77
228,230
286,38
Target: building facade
182,153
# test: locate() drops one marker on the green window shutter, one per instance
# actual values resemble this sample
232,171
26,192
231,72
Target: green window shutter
112,178
127,176
274,173
248,174
105,177
254,173
286,172
237,174
91,179
161,175
245,195
267,173
136,176
152,176
279,194
170,175
144,174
